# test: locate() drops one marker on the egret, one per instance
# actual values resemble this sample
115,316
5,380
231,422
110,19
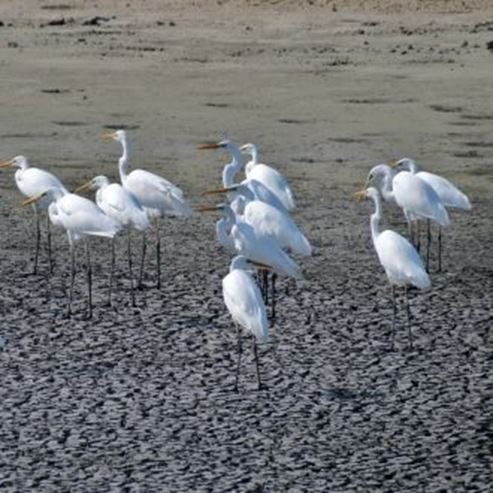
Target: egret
416,197
398,257
449,194
157,195
80,218
259,189
245,304
269,176
119,204
30,182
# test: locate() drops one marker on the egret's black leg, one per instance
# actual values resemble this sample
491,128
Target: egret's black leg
48,243
142,258
256,362
409,332
418,237
439,249
38,238
129,252
265,279
72,279
89,279
112,270
428,248
394,313
158,255
240,349
273,297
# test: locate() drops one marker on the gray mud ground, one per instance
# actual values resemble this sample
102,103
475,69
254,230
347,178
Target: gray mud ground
141,399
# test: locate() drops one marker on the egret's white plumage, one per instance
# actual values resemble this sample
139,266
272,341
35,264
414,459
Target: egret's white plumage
118,203
34,182
246,306
244,300
416,197
398,257
80,218
271,222
158,195
269,176
449,194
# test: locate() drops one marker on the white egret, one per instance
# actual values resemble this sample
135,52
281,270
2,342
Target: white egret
246,306
259,190
157,195
416,197
119,204
80,218
449,194
31,182
398,257
269,176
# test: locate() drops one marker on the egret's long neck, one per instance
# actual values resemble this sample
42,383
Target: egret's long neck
233,167
412,167
375,218
386,187
229,216
123,161
254,155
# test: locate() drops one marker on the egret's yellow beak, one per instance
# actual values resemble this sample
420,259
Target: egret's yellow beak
108,136
394,164
361,195
260,266
206,208
209,145
83,188
219,191
31,200
7,164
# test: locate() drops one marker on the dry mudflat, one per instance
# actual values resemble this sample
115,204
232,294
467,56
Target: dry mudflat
140,399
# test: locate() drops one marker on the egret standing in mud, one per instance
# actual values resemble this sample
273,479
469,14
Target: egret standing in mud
156,194
246,306
119,204
416,198
32,182
448,193
398,257
80,218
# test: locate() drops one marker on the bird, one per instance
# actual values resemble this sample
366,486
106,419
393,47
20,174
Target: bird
448,193
268,220
245,304
259,189
157,195
33,181
270,177
81,218
416,197
119,204
400,260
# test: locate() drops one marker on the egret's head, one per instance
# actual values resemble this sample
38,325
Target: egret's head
94,184
118,135
15,162
404,164
368,193
248,149
244,263
47,196
377,174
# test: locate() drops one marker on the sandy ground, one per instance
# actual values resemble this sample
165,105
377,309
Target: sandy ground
140,399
